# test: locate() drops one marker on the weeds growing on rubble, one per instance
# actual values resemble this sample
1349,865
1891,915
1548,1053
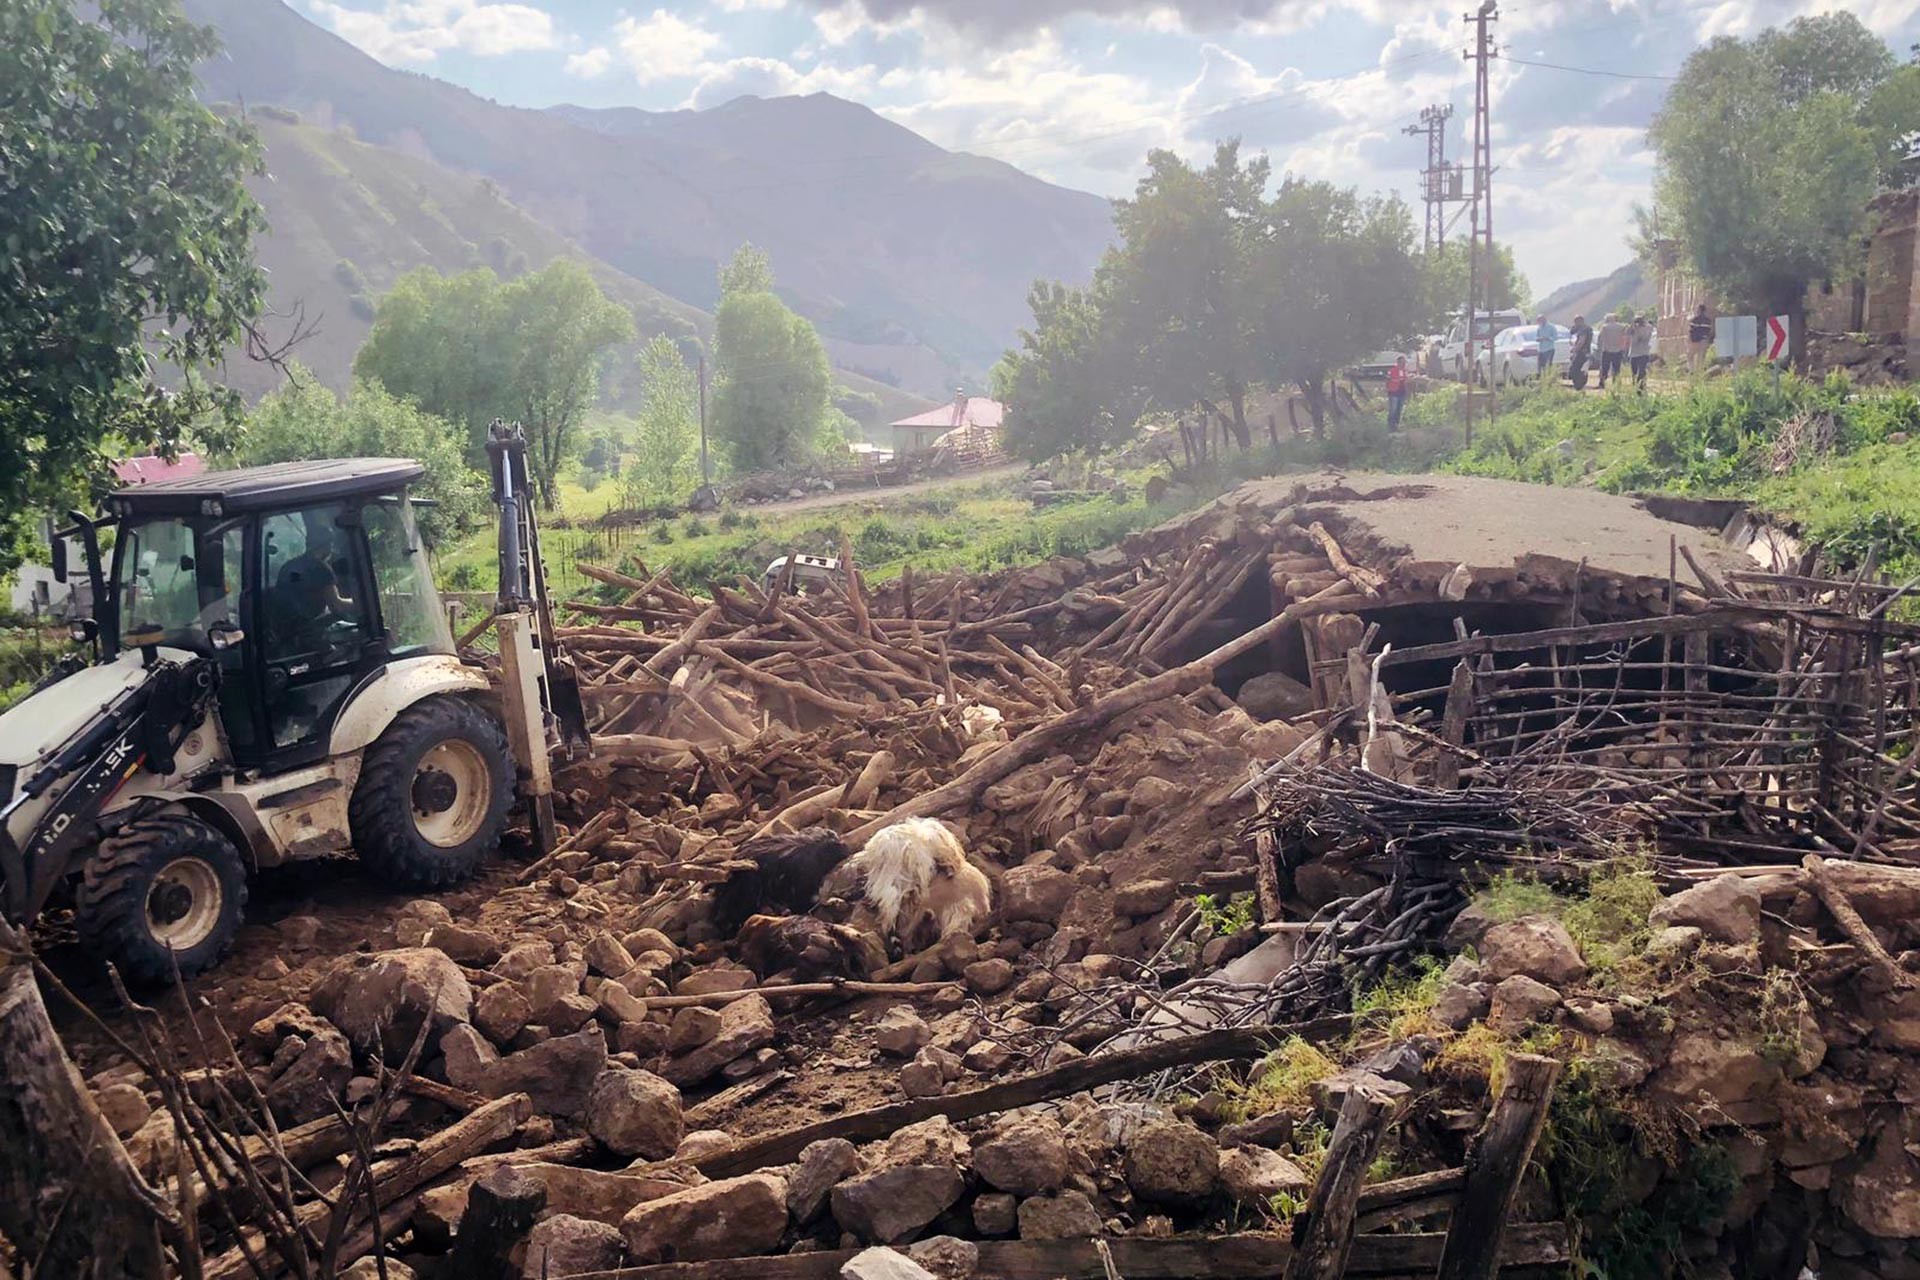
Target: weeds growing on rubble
1607,920
1284,1080
1599,1153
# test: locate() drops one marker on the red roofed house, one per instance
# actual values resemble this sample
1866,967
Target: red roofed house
967,414
149,467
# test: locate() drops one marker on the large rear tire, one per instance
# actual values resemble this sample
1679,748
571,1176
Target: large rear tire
162,891
432,799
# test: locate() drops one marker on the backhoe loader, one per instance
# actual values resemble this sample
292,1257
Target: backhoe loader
273,677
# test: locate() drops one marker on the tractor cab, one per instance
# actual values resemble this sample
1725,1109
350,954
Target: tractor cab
301,580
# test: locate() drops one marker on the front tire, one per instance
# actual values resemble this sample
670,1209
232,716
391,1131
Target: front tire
162,891
432,799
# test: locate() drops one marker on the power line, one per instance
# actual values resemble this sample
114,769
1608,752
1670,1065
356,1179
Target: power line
1584,71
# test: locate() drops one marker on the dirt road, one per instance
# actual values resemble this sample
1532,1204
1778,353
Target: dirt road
882,496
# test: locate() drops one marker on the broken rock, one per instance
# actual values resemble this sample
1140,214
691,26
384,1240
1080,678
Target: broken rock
1519,1002
124,1107
558,1073
1172,1163
1144,898
1037,892
993,1213
745,1025
883,1264
1725,909
635,1113
380,1000
1026,1154
947,1257
501,1011
823,1165
733,1218
1253,1176
310,1086
692,1027
563,1245
900,1032
466,1055
1064,1215
1536,947
892,1204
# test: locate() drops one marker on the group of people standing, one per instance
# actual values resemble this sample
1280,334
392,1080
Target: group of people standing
1623,340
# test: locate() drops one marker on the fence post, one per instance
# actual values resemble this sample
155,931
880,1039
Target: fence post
1494,1170
1323,1234
1453,726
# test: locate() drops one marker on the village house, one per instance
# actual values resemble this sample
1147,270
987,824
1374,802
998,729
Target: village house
972,415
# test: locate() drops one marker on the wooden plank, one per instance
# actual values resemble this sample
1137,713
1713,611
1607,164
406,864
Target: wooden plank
1247,1256
1323,1234
1496,1167
1082,1073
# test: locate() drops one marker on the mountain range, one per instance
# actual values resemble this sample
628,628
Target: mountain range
1630,286
913,261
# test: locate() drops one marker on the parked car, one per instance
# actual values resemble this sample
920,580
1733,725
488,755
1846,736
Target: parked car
1514,354
1453,347
1374,367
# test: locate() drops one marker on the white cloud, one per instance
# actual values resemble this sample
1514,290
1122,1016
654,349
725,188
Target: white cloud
664,46
741,6
403,31
590,65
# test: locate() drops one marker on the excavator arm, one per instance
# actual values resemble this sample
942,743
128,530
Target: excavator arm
540,685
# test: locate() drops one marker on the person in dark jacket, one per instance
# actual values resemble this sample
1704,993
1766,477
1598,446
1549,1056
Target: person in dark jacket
1699,337
1580,336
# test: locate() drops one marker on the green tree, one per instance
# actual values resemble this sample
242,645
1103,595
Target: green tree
442,341
773,387
470,349
750,270
126,246
666,443
1337,276
1769,150
1071,386
559,329
1180,284
306,420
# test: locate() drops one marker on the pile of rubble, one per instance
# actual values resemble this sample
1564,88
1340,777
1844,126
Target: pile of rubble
573,1068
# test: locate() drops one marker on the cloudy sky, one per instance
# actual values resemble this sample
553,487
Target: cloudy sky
1077,90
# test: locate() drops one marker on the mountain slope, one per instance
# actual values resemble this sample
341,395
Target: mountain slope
347,219
913,261
1630,286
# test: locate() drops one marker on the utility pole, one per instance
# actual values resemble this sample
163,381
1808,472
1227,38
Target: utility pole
1440,185
706,468
1480,243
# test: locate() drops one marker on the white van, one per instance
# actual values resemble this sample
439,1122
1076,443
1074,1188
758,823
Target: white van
1453,347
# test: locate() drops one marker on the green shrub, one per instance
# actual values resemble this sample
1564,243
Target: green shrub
694,527
729,520
662,532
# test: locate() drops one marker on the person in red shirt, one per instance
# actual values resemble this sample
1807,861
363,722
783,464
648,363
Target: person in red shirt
1396,392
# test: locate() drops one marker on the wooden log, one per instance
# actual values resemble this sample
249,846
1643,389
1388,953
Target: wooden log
1370,581
794,990
501,1207
1246,1256
1323,1234
494,1123
1083,1073
1039,742
1821,877
876,773
1386,1204
71,1201
792,688
1495,1168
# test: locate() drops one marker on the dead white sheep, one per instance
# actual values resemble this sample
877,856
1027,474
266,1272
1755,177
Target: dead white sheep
916,878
